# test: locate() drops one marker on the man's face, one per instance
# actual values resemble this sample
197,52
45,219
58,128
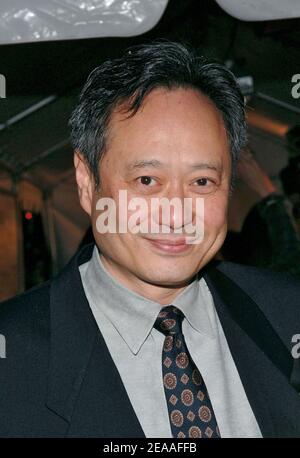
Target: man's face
174,146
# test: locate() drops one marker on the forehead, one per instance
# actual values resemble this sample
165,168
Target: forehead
180,120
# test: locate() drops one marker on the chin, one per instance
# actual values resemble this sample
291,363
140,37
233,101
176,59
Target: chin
170,279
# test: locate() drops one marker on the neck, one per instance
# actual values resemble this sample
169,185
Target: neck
164,295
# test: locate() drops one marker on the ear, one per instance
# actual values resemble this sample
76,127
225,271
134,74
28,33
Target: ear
84,181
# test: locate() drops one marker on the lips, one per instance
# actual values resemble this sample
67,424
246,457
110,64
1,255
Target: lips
170,245
172,242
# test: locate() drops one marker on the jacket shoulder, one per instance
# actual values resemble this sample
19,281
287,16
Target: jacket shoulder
26,313
276,293
252,278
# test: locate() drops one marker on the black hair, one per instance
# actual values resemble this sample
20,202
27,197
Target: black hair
131,77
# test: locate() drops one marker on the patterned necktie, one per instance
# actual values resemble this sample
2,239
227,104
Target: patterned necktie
190,410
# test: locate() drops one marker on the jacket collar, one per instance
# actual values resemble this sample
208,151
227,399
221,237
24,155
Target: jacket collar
73,333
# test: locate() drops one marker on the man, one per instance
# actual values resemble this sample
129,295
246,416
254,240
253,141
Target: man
141,335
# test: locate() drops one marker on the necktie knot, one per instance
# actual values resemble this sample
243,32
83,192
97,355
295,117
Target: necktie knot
169,320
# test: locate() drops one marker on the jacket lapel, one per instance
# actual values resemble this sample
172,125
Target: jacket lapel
275,403
84,386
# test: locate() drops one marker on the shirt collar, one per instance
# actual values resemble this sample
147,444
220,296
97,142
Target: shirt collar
133,315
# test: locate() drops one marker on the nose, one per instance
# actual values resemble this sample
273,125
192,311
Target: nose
174,210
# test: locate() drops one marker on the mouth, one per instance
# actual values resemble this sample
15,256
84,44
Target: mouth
170,245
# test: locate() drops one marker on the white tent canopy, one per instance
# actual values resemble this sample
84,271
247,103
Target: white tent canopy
261,10
41,20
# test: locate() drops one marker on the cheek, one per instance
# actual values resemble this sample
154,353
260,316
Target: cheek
215,213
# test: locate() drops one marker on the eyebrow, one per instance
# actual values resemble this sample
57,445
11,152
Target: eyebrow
206,165
137,165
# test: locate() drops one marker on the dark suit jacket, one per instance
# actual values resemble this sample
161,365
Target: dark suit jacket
59,380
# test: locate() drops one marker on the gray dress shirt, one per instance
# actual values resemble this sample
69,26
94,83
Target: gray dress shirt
126,321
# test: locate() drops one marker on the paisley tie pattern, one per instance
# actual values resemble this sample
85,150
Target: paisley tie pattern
190,410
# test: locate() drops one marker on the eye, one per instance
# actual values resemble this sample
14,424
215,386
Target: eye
146,180
203,181
205,185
